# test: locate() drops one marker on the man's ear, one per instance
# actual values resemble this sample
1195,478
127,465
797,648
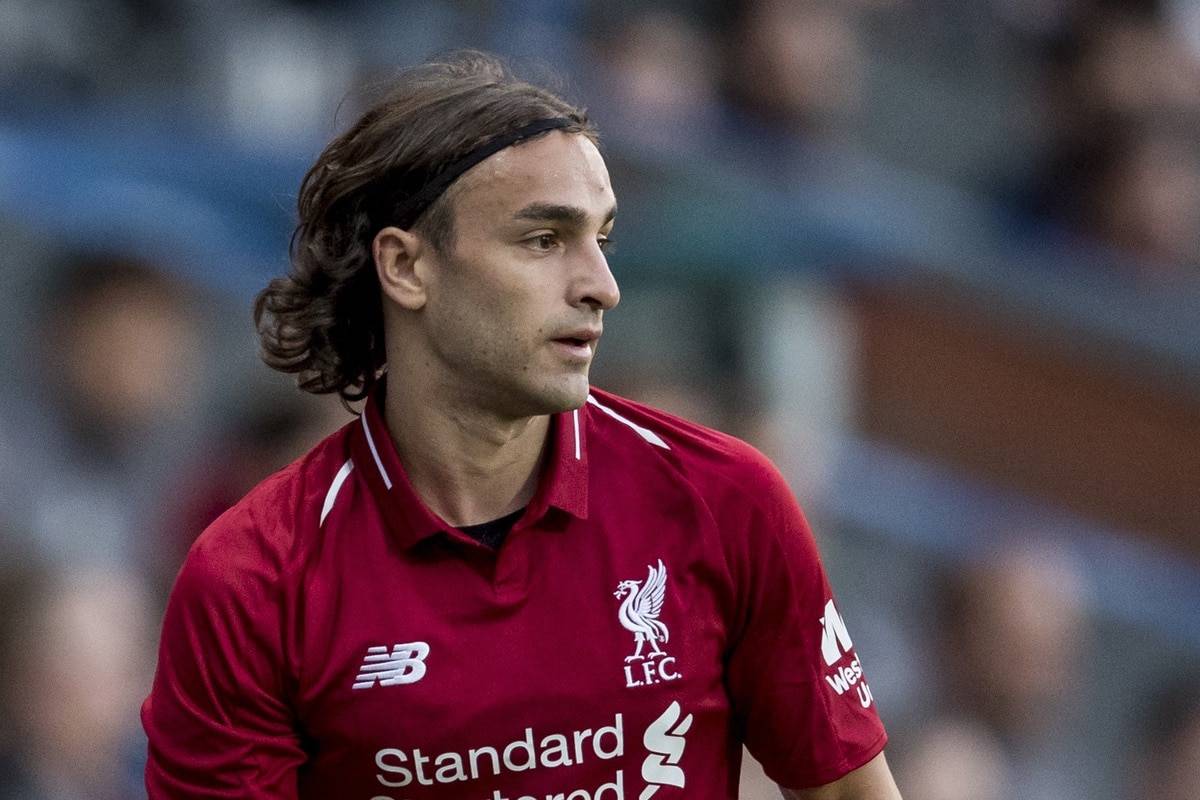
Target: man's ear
400,266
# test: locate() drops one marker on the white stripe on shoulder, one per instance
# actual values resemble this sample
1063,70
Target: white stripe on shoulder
647,434
334,488
387,482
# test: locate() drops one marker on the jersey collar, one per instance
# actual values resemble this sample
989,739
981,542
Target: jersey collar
562,484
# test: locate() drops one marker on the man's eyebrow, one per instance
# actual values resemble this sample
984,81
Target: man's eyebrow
552,212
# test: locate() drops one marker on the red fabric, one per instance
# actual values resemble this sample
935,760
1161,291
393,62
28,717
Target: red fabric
526,650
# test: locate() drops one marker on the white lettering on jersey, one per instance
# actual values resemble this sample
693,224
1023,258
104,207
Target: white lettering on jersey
399,768
835,643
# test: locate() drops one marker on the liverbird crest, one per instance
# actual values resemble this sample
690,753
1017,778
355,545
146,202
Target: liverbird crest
643,601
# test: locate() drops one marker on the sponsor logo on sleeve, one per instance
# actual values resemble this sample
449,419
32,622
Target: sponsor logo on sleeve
641,605
835,646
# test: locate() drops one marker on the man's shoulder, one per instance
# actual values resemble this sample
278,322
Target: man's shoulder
266,529
709,458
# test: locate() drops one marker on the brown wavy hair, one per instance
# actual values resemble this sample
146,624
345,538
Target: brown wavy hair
324,320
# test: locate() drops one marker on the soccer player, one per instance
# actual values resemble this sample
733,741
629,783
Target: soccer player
497,583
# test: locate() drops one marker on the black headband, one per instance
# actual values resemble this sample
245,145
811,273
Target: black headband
410,209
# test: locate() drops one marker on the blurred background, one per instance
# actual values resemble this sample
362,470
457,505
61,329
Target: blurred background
940,259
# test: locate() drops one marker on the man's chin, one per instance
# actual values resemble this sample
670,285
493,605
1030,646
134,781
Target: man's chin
568,395
553,394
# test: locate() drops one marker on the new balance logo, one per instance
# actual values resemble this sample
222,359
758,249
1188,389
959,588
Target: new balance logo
405,664
664,739
835,639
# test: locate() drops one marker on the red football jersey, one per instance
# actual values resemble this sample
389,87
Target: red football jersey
660,602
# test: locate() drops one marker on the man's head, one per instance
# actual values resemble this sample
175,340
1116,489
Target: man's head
121,337
476,283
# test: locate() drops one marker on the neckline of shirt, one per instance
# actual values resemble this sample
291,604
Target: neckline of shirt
562,483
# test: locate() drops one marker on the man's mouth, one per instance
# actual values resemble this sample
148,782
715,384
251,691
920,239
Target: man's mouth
580,337
580,343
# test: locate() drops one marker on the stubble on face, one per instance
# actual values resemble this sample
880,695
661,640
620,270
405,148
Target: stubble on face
498,301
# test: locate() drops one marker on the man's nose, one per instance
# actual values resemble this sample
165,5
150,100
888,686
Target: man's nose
595,285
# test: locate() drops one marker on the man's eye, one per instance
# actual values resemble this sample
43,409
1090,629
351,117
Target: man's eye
546,241
606,244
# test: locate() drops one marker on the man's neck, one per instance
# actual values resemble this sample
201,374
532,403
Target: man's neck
467,465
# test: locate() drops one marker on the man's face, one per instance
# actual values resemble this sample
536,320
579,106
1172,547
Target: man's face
514,307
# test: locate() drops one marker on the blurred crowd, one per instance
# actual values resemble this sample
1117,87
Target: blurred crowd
135,414
1078,113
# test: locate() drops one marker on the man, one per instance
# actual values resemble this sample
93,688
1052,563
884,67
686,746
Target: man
497,582
66,737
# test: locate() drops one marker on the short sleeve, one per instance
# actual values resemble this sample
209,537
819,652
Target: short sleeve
216,718
800,697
